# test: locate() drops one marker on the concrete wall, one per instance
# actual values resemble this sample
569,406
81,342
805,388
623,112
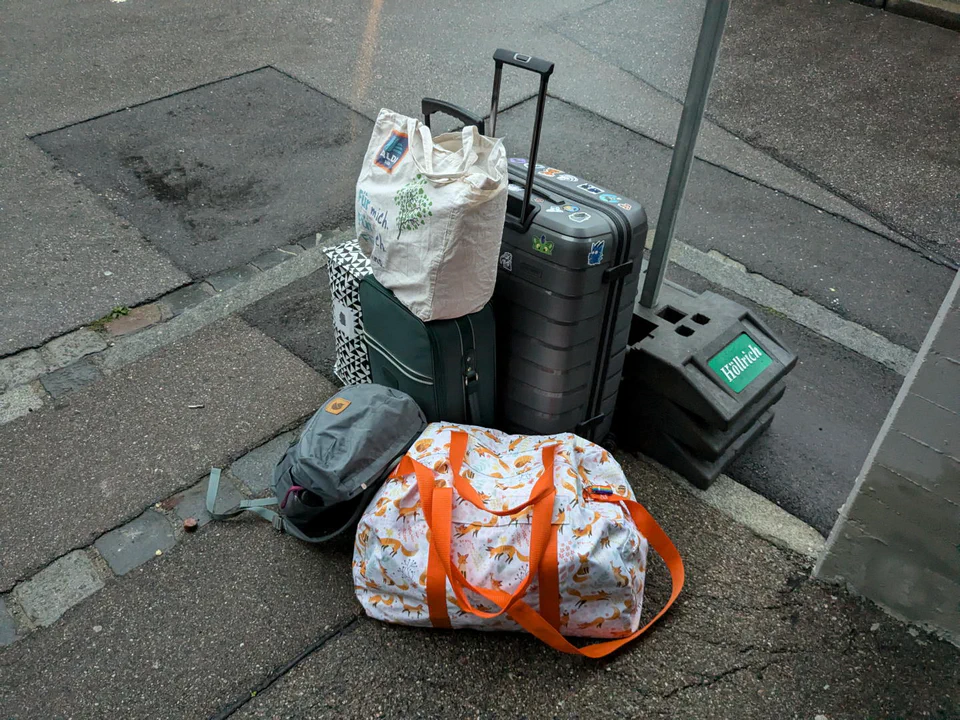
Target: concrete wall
898,537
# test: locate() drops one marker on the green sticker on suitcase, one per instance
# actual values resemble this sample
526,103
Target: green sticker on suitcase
542,245
739,363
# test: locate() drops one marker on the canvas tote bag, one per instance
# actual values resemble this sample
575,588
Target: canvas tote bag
430,213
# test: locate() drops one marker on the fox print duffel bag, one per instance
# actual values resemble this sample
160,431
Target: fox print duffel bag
480,529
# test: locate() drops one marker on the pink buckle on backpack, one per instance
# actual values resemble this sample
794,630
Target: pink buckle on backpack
292,488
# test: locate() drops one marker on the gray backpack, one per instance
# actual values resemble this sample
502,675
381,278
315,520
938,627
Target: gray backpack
348,448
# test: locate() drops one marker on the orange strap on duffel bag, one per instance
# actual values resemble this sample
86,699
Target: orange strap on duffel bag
437,500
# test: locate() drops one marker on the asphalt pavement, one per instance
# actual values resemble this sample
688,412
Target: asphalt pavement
793,243
235,619
829,160
858,99
226,386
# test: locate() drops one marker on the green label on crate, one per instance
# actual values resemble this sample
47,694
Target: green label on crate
739,363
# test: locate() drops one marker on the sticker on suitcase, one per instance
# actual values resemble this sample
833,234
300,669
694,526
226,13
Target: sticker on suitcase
580,217
506,261
610,198
550,172
595,256
542,245
571,208
566,177
592,189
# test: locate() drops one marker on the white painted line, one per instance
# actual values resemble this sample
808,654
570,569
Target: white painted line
733,276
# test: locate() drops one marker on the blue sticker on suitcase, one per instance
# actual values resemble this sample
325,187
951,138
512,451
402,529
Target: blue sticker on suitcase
595,257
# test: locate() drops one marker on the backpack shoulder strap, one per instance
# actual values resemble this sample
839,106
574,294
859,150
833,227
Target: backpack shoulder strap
260,506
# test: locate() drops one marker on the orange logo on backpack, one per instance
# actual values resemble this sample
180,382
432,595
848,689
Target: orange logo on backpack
337,406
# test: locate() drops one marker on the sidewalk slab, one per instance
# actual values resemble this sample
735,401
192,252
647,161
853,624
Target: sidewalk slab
66,380
58,587
255,469
20,368
18,402
130,440
186,634
751,637
193,502
67,349
137,542
185,298
8,626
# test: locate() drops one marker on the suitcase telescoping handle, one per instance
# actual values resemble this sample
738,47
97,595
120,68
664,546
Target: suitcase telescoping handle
429,106
544,68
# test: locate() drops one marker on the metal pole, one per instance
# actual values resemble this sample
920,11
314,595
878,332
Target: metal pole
708,46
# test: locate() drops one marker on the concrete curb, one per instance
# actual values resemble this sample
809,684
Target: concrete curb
42,599
945,13
66,363
732,275
764,518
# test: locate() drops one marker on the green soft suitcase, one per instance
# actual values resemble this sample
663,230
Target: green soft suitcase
447,366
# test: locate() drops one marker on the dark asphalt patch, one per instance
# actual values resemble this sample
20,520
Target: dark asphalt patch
299,316
216,175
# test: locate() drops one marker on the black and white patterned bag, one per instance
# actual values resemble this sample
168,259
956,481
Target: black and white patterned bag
347,266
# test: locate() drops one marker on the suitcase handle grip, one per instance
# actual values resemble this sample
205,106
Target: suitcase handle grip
526,62
429,106
544,69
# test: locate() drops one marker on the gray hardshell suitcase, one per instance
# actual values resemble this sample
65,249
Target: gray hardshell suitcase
568,276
